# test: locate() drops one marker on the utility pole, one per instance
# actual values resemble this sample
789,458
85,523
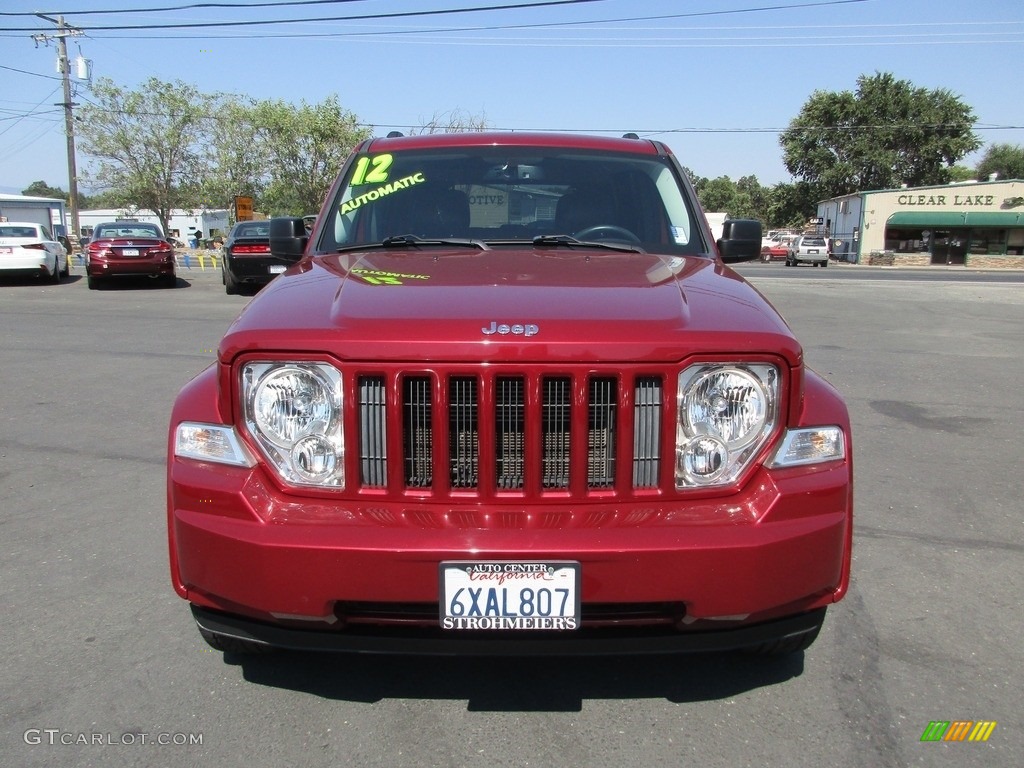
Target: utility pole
63,32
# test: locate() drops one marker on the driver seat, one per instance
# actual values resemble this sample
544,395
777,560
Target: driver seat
579,209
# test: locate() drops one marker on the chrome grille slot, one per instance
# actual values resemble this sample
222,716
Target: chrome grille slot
556,412
463,432
373,453
417,435
647,399
510,427
601,433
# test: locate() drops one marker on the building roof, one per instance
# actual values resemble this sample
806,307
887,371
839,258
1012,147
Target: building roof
29,199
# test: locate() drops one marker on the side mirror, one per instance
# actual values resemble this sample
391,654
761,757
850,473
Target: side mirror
288,238
741,240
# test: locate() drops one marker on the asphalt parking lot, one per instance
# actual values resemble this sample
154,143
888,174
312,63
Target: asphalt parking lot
104,667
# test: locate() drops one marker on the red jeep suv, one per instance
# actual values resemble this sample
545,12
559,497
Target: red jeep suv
511,399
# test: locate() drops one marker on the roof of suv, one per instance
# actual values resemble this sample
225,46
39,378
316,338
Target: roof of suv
511,139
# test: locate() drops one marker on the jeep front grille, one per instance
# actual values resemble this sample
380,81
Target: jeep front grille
510,432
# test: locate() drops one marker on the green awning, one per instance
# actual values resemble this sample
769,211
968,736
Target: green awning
995,219
944,219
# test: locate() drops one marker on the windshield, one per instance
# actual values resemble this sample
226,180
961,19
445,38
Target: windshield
497,194
252,229
132,229
16,231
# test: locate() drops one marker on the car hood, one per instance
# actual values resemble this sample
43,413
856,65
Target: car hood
509,305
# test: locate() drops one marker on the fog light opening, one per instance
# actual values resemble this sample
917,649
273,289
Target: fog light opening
704,459
314,458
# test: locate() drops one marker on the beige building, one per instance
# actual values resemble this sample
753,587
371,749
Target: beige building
975,224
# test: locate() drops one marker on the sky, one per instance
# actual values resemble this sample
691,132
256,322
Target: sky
716,80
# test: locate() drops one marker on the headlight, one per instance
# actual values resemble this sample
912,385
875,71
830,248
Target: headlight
293,410
726,414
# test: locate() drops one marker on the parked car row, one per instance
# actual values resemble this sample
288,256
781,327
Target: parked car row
128,248
119,249
810,248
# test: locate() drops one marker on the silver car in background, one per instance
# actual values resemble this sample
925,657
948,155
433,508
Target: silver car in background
811,249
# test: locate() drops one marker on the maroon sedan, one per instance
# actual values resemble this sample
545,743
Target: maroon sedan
119,249
511,399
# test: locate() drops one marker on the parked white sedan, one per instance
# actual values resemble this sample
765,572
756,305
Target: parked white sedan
30,249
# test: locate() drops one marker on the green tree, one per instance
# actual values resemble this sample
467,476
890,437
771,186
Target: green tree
101,200
962,173
718,195
789,205
743,199
42,189
1005,160
886,134
146,144
236,156
306,146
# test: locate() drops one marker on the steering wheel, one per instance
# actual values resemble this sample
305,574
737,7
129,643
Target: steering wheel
606,232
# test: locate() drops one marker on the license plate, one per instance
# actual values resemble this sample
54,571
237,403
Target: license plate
510,595
276,269
6,250
812,250
129,251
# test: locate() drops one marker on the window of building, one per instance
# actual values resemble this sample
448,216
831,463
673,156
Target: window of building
906,240
1015,243
990,242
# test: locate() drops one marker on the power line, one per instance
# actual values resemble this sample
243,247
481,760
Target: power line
25,72
363,17
190,7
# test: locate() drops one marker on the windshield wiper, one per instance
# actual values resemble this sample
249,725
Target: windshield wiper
568,241
414,241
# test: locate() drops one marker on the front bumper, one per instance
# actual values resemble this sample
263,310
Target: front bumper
436,643
243,548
